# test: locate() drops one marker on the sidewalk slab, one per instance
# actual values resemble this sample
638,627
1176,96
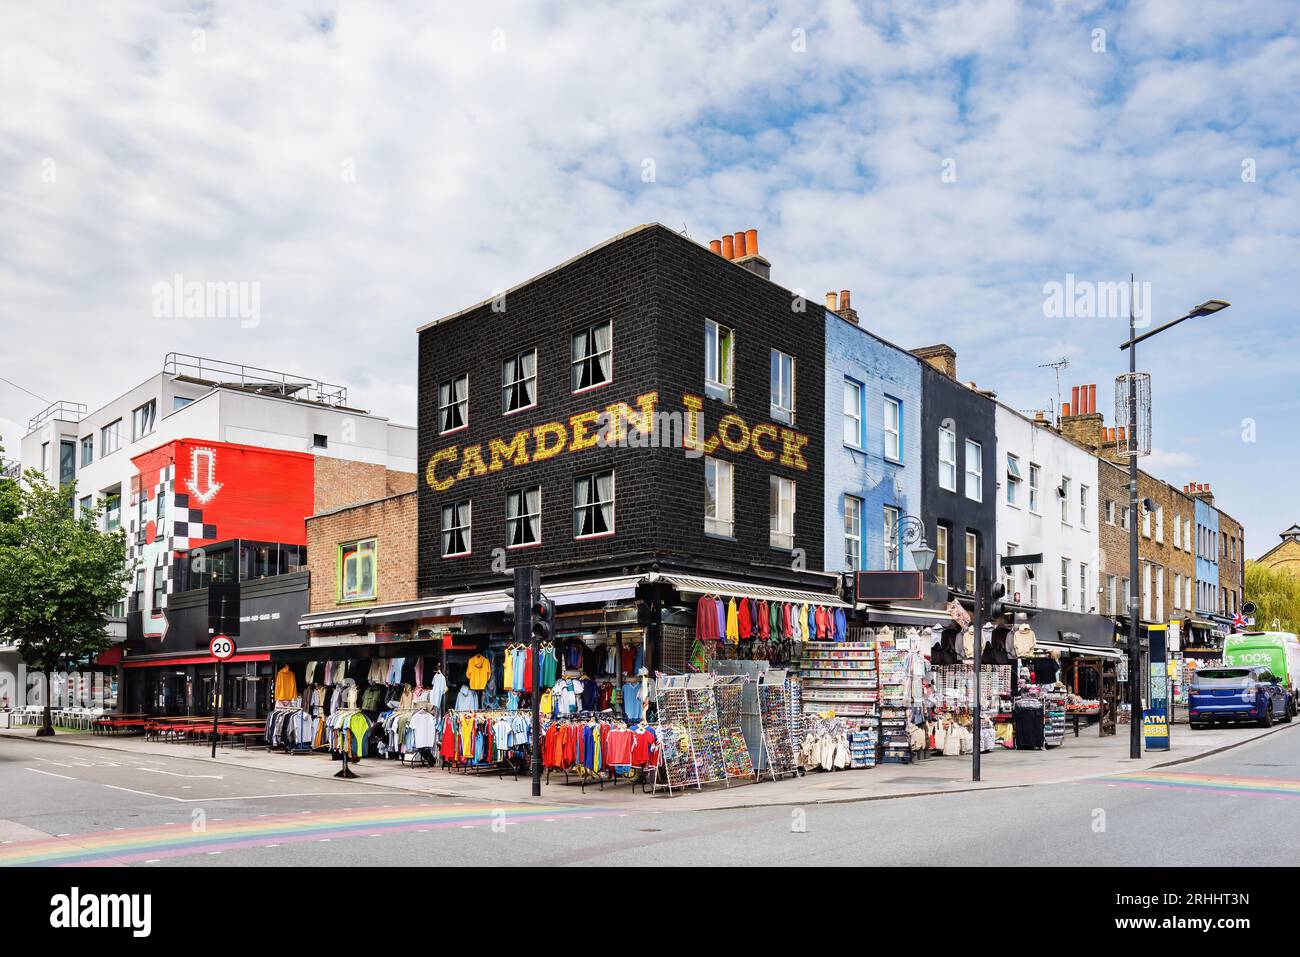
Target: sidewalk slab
1088,756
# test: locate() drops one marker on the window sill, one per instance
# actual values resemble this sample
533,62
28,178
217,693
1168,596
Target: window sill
522,408
592,388
719,536
729,402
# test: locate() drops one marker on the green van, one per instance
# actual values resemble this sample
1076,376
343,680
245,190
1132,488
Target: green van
1278,651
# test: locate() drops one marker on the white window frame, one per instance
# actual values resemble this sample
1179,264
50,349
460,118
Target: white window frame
1160,524
1009,573
447,400
525,520
781,492
1035,486
522,381
1160,593
588,357
782,381
144,419
947,459
449,526
720,519
852,533
1146,591
593,503
87,446
1065,584
1084,604
1110,511
1063,494
853,393
1084,505
1111,607
942,550
110,438
893,410
719,373
975,474
891,524
971,558
1014,480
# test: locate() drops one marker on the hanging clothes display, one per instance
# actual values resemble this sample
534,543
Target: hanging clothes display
286,685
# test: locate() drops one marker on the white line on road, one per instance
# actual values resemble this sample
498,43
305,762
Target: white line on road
177,774
52,774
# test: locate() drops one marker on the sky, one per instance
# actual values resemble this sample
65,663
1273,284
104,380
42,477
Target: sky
364,168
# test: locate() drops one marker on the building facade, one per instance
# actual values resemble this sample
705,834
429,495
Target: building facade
873,447
959,474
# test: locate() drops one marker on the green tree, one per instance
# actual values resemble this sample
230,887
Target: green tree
1276,594
59,577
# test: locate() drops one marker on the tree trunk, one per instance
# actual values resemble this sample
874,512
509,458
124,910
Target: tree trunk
47,729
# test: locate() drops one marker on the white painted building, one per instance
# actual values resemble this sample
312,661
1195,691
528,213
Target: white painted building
205,400
1047,502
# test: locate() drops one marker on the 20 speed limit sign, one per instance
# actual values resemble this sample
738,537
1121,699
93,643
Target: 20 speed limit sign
222,648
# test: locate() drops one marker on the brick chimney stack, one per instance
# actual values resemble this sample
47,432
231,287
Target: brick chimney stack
942,357
845,311
1201,491
1080,420
742,249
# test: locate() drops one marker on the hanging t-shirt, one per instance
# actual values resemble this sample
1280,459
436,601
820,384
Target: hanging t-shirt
632,700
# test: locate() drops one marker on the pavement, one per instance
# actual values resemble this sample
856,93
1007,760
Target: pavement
74,804
1087,756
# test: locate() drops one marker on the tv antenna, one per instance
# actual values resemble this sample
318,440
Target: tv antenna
1058,365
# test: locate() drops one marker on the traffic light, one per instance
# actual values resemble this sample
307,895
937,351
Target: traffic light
543,619
996,608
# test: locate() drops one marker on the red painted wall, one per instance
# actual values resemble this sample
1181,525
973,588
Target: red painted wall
264,495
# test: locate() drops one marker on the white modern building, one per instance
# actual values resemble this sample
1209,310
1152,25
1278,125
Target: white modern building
1047,502
197,399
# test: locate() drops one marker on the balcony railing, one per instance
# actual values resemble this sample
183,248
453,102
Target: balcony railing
61,410
253,379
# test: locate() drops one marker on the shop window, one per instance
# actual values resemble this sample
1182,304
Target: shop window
456,521
593,505
719,361
519,382
593,356
357,570
782,387
453,404
524,517
719,497
781,513
852,533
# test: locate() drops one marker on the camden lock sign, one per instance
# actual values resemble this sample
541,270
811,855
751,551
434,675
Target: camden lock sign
619,425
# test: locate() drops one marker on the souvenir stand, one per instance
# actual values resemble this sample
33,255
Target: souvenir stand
894,700
777,753
728,691
690,740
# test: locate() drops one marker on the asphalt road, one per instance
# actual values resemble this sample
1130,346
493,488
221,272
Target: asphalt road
64,804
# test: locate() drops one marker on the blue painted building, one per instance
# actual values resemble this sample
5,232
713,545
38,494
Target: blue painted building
1207,557
873,448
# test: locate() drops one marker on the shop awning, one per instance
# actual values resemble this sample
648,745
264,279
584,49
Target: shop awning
739,589
585,592
1091,651
166,661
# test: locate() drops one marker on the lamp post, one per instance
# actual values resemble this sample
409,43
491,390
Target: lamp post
911,531
1206,308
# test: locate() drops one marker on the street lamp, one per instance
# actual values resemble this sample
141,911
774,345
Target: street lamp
1207,308
911,530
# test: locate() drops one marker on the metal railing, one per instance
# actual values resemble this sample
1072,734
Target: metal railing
254,379
62,410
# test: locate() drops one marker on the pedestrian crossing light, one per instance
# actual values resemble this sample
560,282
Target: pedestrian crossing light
543,619
996,607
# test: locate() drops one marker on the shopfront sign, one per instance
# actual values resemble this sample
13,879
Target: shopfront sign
640,425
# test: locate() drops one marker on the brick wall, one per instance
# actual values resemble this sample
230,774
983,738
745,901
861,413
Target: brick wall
1232,567
657,288
341,482
392,522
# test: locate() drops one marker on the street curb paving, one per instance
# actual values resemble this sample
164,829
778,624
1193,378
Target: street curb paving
1227,747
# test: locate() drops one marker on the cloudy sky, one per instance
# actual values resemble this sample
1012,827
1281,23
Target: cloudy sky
373,166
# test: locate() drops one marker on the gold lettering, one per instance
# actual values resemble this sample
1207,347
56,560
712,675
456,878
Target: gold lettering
756,433
694,420
620,415
729,421
471,461
557,431
792,444
431,473
583,437
516,453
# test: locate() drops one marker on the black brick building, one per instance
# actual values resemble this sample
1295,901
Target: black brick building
657,290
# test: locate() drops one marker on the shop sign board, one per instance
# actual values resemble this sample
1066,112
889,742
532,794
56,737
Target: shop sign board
1155,730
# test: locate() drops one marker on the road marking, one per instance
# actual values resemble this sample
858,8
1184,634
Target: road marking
52,774
177,774
231,797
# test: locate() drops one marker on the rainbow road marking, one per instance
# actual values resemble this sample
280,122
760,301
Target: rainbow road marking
1234,783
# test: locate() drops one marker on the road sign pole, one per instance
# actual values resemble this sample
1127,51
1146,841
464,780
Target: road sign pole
216,704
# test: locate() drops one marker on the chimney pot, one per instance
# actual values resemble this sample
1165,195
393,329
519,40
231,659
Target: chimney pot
716,246
751,241
1121,433
831,302
1092,398
728,248
1074,400
740,245
1065,408
844,299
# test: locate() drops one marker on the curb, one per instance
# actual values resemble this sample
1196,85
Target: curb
1226,747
